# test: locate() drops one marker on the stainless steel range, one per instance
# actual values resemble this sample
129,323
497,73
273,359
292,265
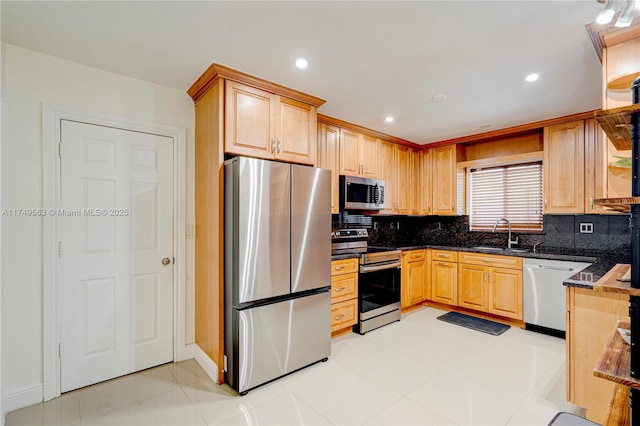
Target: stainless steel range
378,279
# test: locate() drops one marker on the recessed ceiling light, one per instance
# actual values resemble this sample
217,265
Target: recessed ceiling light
485,126
532,77
439,98
389,119
301,63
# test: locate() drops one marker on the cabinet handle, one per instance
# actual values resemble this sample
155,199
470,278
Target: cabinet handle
279,146
338,317
484,276
340,289
591,203
489,277
443,255
273,145
545,203
339,268
443,264
488,260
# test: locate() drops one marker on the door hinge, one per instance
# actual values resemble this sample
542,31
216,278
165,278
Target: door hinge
59,249
59,350
224,368
60,149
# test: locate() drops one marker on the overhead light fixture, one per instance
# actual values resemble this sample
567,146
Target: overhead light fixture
606,14
301,63
625,19
532,77
389,119
439,98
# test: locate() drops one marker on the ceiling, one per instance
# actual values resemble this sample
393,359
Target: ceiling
367,59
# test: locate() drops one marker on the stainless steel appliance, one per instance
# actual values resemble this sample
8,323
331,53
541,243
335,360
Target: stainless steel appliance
378,279
544,295
277,269
358,193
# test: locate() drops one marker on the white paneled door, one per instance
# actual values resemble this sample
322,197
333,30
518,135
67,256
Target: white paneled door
115,253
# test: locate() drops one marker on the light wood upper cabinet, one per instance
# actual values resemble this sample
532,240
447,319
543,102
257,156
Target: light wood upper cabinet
402,182
388,174
359,154
328,158
563,168
416,182
265,125
444,180
425,183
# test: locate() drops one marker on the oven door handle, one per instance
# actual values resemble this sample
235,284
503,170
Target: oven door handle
372,268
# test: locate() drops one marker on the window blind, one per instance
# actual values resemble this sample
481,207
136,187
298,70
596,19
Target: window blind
513,192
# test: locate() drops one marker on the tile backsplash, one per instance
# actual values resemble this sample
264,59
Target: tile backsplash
610,232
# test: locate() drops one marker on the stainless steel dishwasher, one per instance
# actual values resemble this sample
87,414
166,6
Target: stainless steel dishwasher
544,295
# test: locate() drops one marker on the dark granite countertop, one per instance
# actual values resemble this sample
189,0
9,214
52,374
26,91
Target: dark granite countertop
601,262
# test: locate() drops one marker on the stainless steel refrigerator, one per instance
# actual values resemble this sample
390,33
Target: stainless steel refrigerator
277,269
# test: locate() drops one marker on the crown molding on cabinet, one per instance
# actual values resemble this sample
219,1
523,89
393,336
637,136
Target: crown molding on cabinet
363,130
217,71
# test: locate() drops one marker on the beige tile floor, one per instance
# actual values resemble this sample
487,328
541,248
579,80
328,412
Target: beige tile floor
418,371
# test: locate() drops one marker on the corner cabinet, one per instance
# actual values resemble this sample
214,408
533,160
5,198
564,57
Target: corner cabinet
414,275
238,114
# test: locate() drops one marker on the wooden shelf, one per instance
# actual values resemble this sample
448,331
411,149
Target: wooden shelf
622,205
615,362
616,123
610,284
622,82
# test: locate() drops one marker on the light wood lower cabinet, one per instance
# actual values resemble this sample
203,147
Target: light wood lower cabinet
413,277
491,284
344,294
444,277
591,316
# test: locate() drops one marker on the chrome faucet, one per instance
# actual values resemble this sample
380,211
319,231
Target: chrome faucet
509,241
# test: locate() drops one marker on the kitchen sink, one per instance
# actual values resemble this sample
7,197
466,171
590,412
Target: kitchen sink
491,248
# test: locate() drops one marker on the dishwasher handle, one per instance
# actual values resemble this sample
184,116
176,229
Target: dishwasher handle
555,268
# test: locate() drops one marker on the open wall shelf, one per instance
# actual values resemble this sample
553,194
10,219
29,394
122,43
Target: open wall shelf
616,123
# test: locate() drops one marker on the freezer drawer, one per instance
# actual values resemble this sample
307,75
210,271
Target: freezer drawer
273,340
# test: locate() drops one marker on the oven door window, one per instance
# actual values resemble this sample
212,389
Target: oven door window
378,289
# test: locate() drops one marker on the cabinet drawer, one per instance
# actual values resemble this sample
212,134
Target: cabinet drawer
344,314
344,287
450,256
344,266
490,260
415,255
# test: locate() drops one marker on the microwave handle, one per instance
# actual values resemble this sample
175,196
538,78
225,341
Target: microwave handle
377,195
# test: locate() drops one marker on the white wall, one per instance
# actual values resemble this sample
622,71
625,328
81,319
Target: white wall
29,79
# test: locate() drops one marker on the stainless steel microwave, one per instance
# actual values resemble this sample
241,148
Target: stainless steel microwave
358,193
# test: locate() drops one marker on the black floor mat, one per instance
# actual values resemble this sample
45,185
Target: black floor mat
479,324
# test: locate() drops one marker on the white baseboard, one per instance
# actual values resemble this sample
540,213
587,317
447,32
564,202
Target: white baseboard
24,397
187,352
205,362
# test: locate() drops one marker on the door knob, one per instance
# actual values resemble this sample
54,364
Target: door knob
166,261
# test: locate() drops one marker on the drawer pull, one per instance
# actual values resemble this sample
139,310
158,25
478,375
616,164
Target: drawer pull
340,289
338,317
488,260
339,268
443,264
443,255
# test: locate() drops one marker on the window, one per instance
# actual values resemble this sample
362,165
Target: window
513,192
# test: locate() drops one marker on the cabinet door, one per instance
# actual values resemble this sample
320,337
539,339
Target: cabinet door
403,182
425,182
416,182
473,292
249,121
349,153
416,282
295,131
563,168
328,158
505,292
443,178
444,282
387,174
369,156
